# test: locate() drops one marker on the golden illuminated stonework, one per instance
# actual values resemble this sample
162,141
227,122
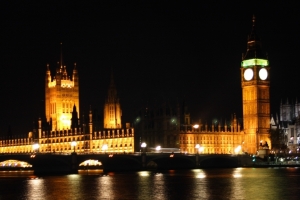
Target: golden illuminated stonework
63,132
61,94
112,108
217,139
256,95
68,141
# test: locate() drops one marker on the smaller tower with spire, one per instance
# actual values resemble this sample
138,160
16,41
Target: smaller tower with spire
112,108
74,119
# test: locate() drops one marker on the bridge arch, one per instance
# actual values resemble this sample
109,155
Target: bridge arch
114,162
90,163
14,164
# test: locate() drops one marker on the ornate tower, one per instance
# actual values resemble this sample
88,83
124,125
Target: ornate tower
255,82
112,108
61,95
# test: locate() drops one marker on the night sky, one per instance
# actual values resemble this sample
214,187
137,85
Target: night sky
159,52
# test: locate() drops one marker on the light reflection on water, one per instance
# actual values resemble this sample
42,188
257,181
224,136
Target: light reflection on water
238,183
36,188
158,185
105,187
237,173
237,189
25,173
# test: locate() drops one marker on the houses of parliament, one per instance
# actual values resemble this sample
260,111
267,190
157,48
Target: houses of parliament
64,131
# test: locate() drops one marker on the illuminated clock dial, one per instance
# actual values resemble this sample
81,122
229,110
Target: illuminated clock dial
248,74
263,74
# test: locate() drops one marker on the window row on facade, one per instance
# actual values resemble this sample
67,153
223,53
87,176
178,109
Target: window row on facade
209,137
100,134
112,145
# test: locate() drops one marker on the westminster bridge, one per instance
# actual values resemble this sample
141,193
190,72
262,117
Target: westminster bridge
60,163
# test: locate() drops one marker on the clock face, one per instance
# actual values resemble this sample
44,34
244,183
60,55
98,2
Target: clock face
248,74
263,74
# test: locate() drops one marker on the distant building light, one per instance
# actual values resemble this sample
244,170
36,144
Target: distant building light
158,148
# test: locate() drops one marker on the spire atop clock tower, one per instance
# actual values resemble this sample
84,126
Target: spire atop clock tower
254,47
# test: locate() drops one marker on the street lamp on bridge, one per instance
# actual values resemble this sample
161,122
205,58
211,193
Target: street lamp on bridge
197,155
36,147
237,149
198,148
104,148
201,149
144,145
73,144
158,148
196,126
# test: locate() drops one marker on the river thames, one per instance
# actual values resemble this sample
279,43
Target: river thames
231,183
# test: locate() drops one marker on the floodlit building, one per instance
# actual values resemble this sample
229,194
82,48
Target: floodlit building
62,131
255,81
217,138
287,125
172,127
61,95
158,126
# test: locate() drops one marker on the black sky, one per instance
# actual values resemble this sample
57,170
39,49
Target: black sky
159,51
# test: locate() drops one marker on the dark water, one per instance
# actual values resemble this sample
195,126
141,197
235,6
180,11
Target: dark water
239,183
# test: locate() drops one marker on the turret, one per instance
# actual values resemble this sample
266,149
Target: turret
234,123
48,76
296,108
75,76
75,80
64,73
83,123
74,119
91,120
47,94
58,76
40,128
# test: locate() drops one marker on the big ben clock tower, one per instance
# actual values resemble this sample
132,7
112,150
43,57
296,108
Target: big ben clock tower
255,82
